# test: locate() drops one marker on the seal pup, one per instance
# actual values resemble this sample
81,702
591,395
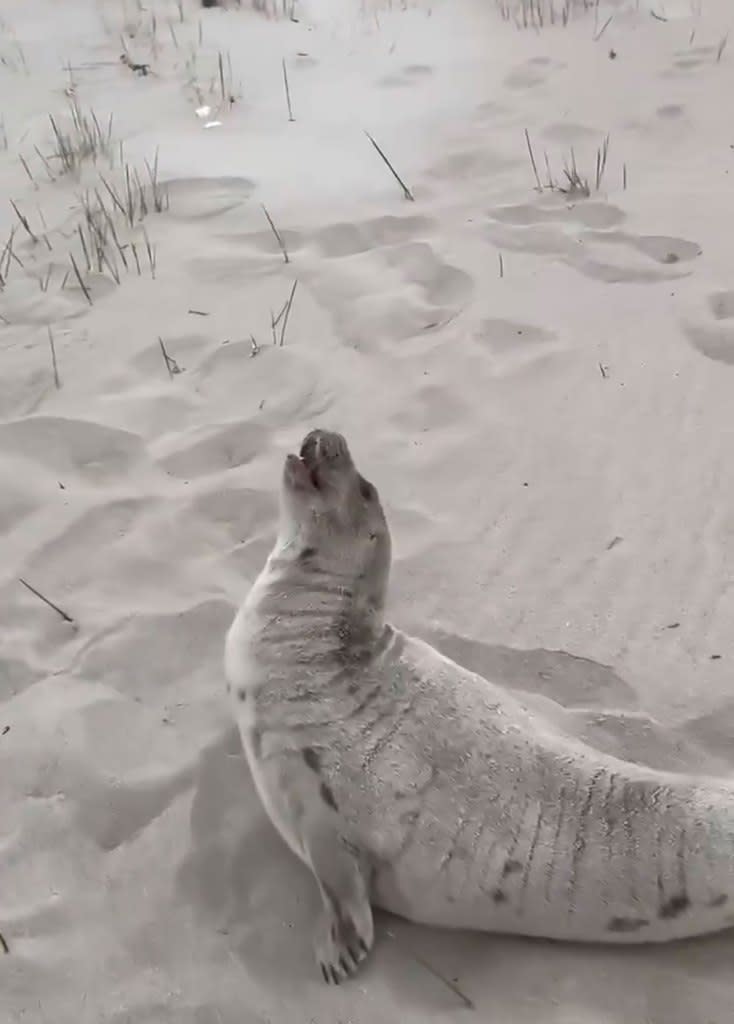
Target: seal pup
406,781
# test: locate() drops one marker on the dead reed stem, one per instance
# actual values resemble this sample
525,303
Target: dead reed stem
42,597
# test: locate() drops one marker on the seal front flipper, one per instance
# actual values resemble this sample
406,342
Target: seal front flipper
345,930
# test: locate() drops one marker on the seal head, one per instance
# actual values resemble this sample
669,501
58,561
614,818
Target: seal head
332,522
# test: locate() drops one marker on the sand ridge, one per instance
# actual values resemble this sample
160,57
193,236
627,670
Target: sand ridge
538,382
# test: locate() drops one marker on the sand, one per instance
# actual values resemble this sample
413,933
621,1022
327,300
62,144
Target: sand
540,384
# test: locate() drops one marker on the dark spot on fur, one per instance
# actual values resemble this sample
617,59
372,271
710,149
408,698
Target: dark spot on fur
627,924
242,694
511,866
718,901
498,896
674,907
327,796
306,554
366,489
311,758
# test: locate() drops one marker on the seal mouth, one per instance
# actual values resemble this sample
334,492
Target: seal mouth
322,457
300,475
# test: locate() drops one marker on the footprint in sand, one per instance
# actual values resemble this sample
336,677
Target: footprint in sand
241,513
407,76
578,234
441,283
532,73
348,239
471,165
419,289
513,345
97,453
688,60
212,449
713,334
180,651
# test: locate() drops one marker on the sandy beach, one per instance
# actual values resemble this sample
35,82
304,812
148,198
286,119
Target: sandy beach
524,325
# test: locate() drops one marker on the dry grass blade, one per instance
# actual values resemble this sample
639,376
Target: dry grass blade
159,195
287,92
113,196
80,279
57,381
84,247
468,1003
287,312
150,249
8,255
577,186
28,171
171,364
45,163
406,191
601,161
24,221
281,243
532,161
3,944
130,208
603,29
45,281
42,597
722,47
110,224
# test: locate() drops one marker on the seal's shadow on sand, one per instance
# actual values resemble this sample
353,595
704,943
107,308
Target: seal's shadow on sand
242,881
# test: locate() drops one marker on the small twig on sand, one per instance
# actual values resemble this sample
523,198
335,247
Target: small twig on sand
40,596
197,312
57,382
406,191
468,1003
3,944
722,47
603,370
502,265
171,364
255,347
658,17
275,231
287,312
287,93
532,161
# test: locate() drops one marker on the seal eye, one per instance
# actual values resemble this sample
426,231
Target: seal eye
366,489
